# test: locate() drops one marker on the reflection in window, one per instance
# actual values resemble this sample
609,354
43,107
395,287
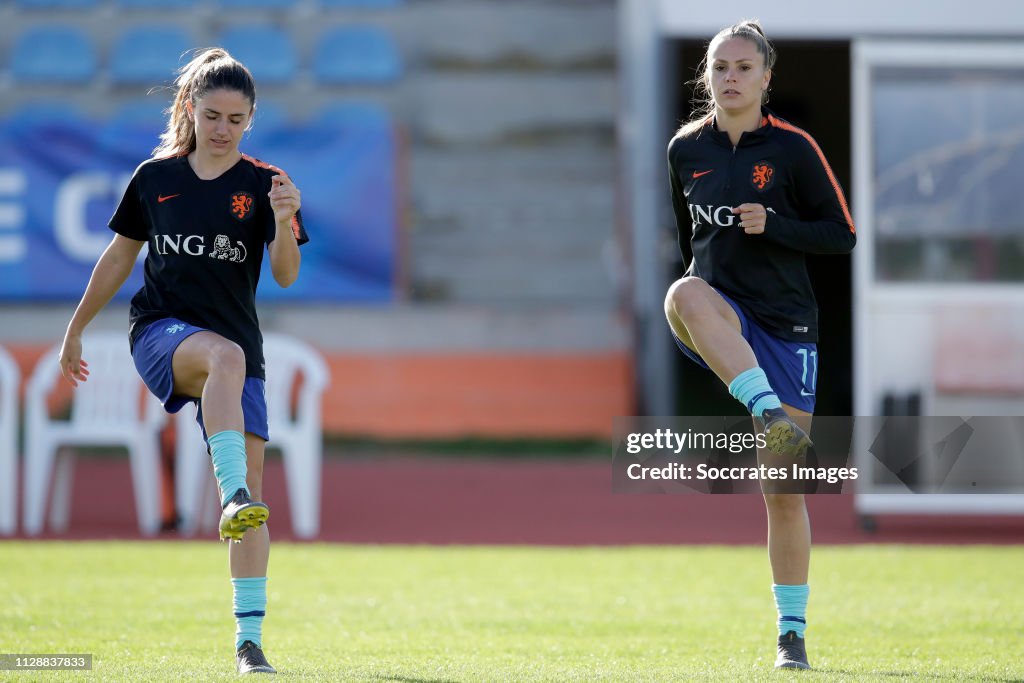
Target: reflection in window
948,165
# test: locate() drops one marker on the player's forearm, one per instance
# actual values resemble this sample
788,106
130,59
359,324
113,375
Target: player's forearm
284,255
110,273
812,237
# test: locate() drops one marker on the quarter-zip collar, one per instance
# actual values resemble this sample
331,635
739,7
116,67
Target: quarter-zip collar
747,137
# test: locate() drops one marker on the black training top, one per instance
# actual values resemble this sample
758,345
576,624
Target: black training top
781,167
206,241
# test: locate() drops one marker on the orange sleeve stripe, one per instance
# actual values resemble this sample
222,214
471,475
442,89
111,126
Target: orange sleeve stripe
262,164
828,169
296,230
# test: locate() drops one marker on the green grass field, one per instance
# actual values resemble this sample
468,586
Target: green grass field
161,612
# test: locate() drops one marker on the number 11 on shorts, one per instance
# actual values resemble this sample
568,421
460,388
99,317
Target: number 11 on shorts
804,353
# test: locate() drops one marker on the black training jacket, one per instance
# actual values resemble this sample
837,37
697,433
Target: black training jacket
781,167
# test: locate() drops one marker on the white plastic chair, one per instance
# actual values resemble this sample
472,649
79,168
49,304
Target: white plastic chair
10,380
107,410
298,436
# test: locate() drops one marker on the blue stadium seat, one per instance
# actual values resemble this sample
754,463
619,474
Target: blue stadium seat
355,114
374,4
148,54
258,4
157,4
45,112
145,112
56,4
53,54
266,50
357,54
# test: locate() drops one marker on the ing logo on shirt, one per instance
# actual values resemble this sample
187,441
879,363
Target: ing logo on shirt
241,205
762,176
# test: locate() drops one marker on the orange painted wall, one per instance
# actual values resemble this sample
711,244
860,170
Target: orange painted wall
551,395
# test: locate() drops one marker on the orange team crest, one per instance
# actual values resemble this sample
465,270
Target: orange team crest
241,205
762,175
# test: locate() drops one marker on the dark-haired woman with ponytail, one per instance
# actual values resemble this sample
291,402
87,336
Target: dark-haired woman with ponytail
752,195
206,211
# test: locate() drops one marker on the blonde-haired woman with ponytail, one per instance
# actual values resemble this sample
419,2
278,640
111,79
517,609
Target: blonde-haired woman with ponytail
207,212
752,195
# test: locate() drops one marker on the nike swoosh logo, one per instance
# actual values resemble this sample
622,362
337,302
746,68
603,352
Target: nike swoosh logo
698,174
805,393
161,199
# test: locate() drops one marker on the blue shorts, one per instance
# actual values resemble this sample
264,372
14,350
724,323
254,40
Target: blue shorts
791,367
153,353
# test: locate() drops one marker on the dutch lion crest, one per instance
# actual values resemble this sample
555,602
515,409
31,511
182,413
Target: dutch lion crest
762,175
241,205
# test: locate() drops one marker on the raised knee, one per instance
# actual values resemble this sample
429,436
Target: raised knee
227,357
687,297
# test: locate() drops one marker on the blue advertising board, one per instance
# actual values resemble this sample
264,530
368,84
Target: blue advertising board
60,181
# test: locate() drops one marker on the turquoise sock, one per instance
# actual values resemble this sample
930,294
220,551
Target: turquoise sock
791,602
229,464
751,388
250,607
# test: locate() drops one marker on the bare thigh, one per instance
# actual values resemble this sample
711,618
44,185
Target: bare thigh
195,357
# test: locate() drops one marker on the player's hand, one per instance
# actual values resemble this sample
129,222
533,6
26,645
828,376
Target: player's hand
752,218
285,198
72,366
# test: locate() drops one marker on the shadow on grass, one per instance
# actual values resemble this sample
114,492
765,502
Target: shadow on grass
918,675
305,673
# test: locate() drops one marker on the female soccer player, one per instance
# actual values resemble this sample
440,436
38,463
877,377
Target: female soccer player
206,211
753,194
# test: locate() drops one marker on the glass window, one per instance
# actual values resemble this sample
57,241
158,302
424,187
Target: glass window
948,166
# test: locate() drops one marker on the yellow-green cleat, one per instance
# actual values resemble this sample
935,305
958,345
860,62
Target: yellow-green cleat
241,514
783,436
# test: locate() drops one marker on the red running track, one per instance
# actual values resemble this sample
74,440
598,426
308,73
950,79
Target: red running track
545,502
